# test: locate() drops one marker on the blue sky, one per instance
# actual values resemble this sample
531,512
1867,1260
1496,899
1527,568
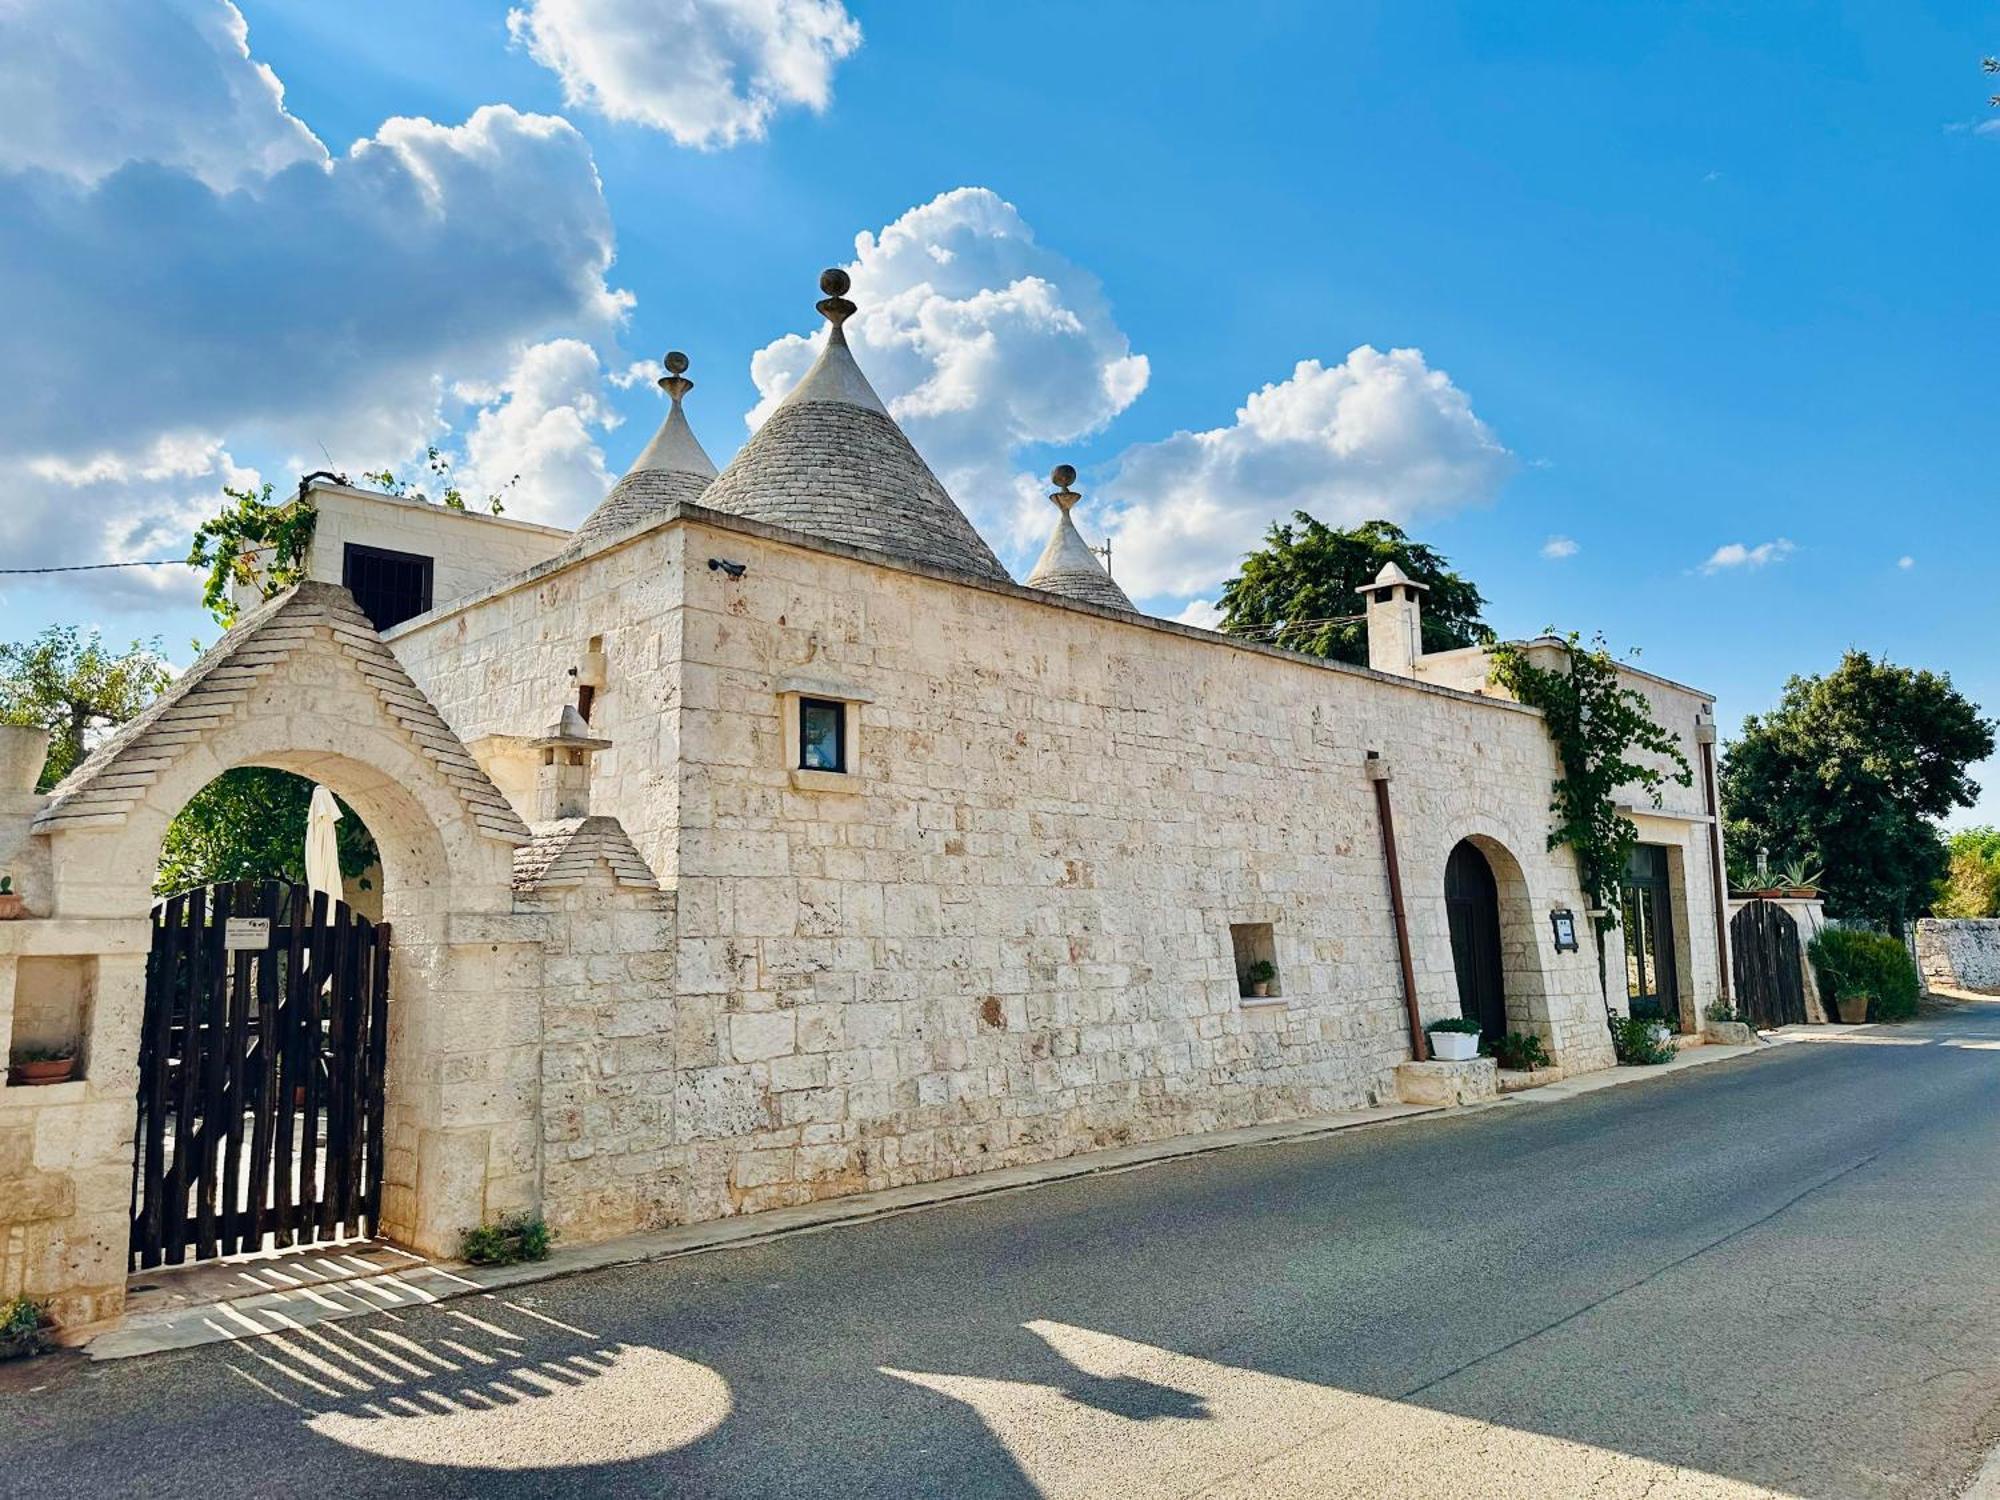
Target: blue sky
1698,288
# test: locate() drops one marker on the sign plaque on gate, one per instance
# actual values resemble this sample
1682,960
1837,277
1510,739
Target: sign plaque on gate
246,933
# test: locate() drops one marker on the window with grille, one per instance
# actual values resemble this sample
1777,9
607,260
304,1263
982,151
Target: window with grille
390,587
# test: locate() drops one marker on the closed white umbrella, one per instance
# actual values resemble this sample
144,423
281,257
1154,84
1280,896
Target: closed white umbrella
323,846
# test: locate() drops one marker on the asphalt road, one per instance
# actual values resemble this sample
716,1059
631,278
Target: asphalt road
1774,1275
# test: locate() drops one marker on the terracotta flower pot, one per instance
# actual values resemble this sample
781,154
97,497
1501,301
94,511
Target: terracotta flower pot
1261,991
1853,1009
10,906
50,1070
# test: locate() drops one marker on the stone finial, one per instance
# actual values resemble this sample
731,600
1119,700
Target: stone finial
675,382
835,307
1062,476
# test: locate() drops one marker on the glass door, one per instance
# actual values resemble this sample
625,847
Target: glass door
1648,919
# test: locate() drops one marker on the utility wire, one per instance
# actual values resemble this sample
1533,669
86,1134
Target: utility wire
157,562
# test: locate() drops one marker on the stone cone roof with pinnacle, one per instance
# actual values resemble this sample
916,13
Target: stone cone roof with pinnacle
1067,566
832,462
673,468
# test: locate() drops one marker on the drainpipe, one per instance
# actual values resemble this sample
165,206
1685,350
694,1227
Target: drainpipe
1378,772
1704,734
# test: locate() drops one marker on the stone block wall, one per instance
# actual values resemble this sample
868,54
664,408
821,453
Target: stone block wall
1961,953
612,1051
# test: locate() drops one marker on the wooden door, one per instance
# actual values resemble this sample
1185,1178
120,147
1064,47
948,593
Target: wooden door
260,1073
1765,963
1472,905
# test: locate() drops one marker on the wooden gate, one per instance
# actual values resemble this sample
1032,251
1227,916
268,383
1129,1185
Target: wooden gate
260,1073
1770,983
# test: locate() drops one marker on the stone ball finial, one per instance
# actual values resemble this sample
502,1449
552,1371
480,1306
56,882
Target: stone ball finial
1064,475
834,306
675,382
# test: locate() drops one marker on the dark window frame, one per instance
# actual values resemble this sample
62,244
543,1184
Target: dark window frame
373,595
839,708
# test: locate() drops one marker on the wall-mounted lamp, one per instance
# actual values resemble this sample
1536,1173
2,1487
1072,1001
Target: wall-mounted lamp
734,570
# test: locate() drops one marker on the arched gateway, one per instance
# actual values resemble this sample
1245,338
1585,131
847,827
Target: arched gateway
305,685
1472,906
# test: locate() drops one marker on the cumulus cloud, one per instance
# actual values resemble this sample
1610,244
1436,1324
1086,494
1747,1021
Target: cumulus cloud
709,73
982,341
91,87
1906,563
1736,555
1558,547
534,438
320,307
1374,436
1204,613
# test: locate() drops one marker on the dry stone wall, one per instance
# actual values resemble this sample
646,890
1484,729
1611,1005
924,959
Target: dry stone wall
1961,953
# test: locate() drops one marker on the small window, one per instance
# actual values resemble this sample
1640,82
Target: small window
390,587
1255,949
822,735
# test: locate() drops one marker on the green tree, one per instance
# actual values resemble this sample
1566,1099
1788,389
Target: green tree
76,687
1972,882
1299,589
1853,769
250,824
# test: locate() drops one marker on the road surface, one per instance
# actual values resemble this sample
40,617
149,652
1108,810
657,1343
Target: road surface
1777,1275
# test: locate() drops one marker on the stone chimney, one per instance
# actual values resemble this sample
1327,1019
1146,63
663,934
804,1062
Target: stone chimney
562,781
1395,621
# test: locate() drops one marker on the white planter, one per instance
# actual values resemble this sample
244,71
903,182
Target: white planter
1453,1046
1659,1033
23,749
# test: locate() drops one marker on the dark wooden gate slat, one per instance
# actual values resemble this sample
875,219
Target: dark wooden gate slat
284,1046
164,977
186,1005
355,1073
214,1062
332,1180
378,1052
230,1214
319,963
262,1069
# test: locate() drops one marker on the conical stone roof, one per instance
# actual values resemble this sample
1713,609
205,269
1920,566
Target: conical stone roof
1067,565
673,468
832,462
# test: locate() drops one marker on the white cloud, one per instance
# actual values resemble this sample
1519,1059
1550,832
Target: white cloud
1736,555
534,440
709,73
1377,436
981,341
1203,613
1558,547
320,308
92,87
1906,563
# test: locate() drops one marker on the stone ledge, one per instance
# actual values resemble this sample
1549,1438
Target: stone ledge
1447,1083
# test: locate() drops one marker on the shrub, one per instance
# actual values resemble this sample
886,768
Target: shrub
1521,1051
1719,1010
1850,962
1641,1043
512,1238
24,1328
1453,1023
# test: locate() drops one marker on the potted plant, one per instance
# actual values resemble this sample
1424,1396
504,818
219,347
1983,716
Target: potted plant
1453,1039
38,1065
1259,976
1726,1024
10,902
1852,1007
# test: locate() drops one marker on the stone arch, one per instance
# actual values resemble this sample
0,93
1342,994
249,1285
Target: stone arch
305,685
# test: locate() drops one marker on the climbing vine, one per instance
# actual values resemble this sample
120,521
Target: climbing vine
254,543
1600,728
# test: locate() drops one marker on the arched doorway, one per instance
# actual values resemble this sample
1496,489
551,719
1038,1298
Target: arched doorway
1472,906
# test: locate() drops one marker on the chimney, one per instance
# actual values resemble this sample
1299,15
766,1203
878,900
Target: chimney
1395,621
562,781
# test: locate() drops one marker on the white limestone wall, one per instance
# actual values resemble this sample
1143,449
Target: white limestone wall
1008,937
470,549
1961,953
498,670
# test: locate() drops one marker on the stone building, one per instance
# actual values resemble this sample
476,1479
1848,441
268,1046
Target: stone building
762,840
